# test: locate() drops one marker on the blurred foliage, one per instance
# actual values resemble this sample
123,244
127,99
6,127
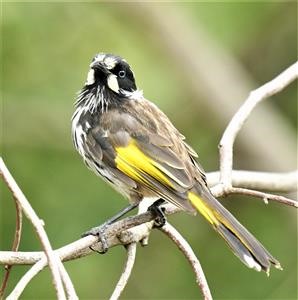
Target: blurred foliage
46,51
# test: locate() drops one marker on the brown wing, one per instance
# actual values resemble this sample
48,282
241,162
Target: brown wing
152,118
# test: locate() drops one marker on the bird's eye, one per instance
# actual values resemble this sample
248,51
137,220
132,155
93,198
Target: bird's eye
122,74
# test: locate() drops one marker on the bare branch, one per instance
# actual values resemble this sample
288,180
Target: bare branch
38,226
15,245
265,181
20,257
182,244
227,141
80,247
131,256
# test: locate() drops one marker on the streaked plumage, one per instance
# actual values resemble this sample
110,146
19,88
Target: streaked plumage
133,145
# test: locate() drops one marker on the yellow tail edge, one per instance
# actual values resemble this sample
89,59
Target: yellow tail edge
243,244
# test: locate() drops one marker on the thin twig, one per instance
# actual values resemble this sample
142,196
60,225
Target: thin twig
130,260
227,141
38,225
15,245
264,196
182,244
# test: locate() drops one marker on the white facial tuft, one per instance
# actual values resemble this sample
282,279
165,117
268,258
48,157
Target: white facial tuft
113,83
90,77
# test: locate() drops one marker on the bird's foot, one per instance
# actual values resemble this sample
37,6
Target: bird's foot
160,218
100,232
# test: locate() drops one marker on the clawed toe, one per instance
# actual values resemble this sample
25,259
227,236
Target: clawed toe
160,218
100,232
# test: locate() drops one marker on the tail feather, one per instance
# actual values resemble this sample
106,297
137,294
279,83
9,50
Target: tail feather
243,244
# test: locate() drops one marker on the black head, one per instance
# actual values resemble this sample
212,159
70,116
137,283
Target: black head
111,72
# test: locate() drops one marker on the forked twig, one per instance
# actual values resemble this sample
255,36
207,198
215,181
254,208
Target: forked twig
255,97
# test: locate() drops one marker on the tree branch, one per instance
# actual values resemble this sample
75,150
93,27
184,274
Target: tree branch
264,196
227,141
80,247
265,181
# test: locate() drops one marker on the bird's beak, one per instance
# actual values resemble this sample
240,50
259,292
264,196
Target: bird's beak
99,65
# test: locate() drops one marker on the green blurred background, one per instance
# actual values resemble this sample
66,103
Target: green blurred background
46,50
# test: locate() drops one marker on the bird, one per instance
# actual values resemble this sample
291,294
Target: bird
129,142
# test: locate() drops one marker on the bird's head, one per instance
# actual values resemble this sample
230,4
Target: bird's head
110,80
111,72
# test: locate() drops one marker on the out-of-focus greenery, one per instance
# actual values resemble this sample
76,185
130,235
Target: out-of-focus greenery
47,48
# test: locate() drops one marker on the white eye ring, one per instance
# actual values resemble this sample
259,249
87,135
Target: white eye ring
122,74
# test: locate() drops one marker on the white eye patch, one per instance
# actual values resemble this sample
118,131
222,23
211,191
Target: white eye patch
90,77
113,83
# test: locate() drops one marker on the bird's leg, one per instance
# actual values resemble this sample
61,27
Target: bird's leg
160,218
100,230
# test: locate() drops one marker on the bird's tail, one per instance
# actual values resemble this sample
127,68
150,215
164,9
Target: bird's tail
244,245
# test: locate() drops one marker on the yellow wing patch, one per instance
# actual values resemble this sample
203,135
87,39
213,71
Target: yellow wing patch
202,207
133,162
